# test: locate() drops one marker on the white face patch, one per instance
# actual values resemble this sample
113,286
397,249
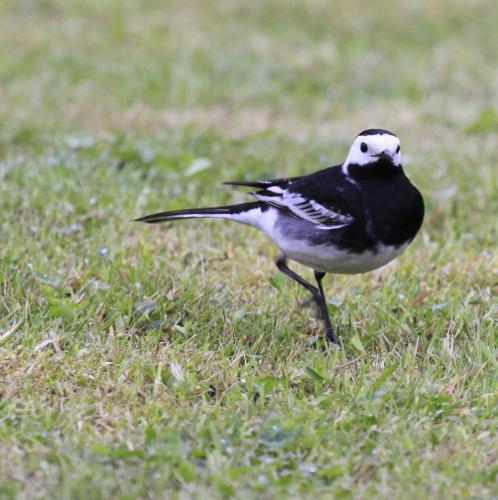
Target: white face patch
369,149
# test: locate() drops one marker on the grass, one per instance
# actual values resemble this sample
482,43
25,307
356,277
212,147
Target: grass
175,361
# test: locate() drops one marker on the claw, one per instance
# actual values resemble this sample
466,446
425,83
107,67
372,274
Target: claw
330,336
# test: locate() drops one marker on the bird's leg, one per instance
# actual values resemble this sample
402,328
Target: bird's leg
329,334
282,266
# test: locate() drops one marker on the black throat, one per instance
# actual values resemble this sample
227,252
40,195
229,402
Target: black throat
381,169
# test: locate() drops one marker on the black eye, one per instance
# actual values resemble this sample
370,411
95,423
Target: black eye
363,147
398,148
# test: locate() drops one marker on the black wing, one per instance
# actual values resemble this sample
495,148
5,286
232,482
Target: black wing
325,198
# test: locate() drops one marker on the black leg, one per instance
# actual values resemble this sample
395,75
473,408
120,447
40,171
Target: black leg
329,334
282,266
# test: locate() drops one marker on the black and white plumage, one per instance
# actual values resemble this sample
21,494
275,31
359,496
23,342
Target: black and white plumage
351,218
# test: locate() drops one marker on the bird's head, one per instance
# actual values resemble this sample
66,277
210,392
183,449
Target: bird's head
373,146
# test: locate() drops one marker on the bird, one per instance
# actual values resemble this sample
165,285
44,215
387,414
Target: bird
346,219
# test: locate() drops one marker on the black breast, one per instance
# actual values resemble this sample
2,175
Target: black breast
394,206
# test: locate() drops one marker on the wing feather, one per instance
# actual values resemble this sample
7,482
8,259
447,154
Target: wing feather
324,198
325,217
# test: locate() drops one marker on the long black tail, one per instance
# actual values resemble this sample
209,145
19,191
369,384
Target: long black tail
226,212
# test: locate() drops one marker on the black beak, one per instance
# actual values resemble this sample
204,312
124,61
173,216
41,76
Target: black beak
386,155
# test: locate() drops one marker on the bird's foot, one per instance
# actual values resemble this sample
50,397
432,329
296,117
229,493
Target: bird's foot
331,337
325,341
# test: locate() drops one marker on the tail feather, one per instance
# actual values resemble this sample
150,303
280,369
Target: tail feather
225,212
255,184
260,184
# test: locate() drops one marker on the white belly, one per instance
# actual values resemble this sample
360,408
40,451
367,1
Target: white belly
324,258
328,259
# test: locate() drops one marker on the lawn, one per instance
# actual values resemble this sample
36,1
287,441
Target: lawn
174,360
